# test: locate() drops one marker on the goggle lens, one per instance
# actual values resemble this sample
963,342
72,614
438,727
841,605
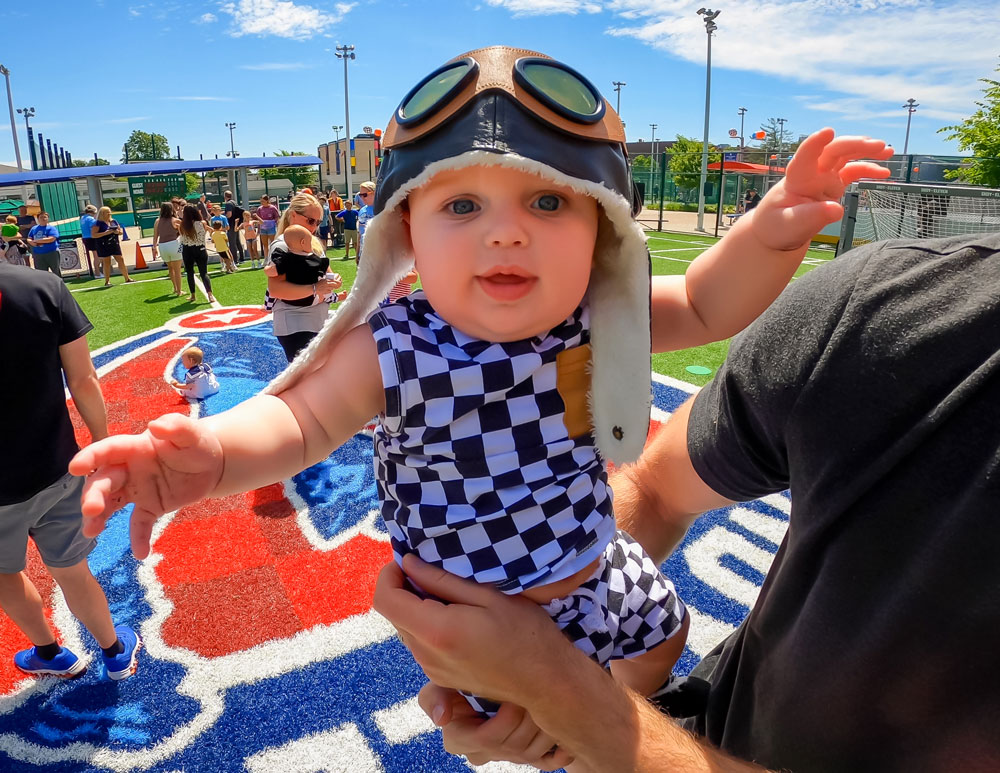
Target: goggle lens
563,87
434,91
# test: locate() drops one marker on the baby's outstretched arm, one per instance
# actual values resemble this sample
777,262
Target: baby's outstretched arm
730,284
268,438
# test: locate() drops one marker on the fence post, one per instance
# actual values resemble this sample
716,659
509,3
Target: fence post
849,222
722,191
663,187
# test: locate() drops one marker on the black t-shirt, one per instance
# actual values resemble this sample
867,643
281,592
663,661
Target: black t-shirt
37,316
872,389
299,270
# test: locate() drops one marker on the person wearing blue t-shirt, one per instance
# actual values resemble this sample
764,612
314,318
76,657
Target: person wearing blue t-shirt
87,221
349,217
44,240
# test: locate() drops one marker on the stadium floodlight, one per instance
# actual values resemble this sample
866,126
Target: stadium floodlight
618,101
346,52
911,107
13,128
710,26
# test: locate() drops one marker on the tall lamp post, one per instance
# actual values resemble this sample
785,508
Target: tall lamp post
911,107
337,130
781,138
618,97
710,26
346,52
742,112
232,147
29,112
13,129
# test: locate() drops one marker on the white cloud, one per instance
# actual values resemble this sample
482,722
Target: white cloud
199,99
206,18
540,7
281,18
277,66
877,52
134,119
343,8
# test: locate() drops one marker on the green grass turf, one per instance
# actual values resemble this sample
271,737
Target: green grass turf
122,311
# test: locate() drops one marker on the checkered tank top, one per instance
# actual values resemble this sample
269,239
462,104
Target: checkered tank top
476,470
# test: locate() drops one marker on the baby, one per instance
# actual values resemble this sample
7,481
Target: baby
300,265
199,381
520,367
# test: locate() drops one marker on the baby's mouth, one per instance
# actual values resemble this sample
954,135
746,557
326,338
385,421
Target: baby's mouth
504,285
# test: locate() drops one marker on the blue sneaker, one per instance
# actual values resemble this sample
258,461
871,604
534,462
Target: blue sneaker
66,664
123,665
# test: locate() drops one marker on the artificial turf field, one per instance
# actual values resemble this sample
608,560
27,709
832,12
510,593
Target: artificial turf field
261,651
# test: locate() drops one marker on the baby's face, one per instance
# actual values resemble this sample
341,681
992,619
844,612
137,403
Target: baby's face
187,361
502,254
298,239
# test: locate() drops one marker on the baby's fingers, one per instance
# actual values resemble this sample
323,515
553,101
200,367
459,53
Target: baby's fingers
175,428
103,494
863,170
141,531
845,149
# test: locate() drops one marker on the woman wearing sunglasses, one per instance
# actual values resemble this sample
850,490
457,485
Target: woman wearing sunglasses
299,310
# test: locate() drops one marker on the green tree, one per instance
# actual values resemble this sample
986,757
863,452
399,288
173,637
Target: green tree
685,161
146,146
299,176
980,135
91,162
192,183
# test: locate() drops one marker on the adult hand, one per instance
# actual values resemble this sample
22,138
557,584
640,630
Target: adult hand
326,286
501,647
176,461
808,198
511,735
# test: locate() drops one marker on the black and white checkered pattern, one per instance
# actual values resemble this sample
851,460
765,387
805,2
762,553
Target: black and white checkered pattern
476,471
625,609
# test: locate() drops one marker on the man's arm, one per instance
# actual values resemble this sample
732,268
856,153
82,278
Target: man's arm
507,647
660,496
81,378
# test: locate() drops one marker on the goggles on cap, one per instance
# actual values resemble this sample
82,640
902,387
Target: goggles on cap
554,92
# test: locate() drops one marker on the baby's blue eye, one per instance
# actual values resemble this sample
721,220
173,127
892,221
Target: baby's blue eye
463,206
549,202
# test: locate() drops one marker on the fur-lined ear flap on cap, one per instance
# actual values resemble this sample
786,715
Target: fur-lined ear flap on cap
620,391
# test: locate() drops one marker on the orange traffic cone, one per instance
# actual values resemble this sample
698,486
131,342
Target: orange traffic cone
140,262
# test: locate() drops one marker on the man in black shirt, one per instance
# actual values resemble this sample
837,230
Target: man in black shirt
871,389
43,336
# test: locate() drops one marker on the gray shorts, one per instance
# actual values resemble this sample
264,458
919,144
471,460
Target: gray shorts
52,518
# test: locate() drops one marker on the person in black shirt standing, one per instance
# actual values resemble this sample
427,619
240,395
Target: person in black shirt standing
751,199
43,336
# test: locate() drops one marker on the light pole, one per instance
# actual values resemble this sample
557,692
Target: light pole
618,99
742,112
911,107
346,52
232,148
13,129
29,112
710,26
781,138
337,130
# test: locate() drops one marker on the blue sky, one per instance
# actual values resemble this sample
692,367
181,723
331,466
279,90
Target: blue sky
96,71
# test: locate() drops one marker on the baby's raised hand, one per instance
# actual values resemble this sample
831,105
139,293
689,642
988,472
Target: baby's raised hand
175,462
808,198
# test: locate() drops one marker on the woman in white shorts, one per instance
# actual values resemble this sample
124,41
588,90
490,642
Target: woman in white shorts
166,245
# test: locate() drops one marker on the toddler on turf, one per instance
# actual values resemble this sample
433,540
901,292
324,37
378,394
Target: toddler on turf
199,380
221,242
250,234
521,366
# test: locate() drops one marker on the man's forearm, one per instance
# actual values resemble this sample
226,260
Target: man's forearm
610,727
90,403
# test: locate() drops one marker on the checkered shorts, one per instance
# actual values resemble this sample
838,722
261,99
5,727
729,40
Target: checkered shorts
626,608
